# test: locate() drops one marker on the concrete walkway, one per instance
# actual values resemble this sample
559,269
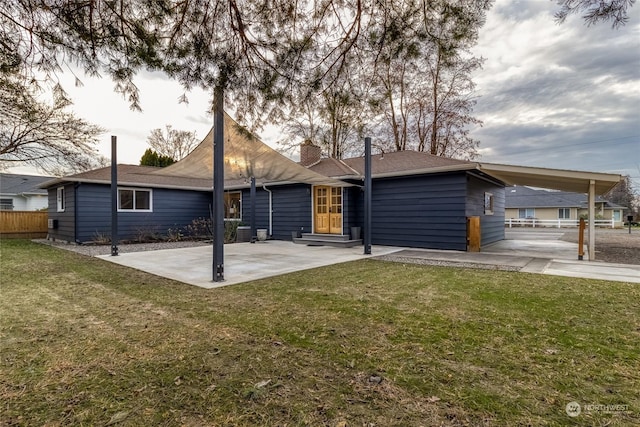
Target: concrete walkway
246,261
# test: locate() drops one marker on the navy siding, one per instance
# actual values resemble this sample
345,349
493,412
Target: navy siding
420,211
171,209
66,219
291,210
262,208
491,226
291,206
352,202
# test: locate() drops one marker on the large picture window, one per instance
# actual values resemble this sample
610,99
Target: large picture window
60,202
233,205
134,199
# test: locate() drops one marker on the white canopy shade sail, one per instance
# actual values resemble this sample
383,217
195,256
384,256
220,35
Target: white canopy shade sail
245,156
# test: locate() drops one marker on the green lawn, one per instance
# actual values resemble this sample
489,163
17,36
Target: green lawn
367,343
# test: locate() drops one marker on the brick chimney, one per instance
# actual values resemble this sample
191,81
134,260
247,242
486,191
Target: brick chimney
309,153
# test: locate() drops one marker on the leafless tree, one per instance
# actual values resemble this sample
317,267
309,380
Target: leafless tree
172,143
43,135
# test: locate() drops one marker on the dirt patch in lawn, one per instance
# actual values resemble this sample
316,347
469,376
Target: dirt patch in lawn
613,245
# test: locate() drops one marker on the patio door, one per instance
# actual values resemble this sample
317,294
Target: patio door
327,208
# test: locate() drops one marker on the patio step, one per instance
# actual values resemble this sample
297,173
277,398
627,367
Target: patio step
335,240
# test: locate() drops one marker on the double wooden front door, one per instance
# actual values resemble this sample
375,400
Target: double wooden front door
327,208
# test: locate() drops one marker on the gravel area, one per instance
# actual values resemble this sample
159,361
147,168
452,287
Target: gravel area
422,261
613,245
95,250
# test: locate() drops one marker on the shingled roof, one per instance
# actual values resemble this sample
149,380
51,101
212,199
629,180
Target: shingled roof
525,197
135,176
22,184
390,164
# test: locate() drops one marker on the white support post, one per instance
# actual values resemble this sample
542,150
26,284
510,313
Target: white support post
592,220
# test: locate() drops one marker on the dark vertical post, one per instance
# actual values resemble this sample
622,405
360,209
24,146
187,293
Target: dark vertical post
218,185
252,196
367,196
114,196
581,240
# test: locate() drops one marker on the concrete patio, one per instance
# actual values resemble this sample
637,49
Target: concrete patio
243,261
541,253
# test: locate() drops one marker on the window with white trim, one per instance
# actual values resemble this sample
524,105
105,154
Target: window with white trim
488,203
233,205
134,199
60,201
526,213
6,204
564,213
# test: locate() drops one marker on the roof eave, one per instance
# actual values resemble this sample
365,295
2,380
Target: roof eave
560,179
423,171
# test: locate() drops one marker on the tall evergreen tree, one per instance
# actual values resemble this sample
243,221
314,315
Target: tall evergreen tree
152,158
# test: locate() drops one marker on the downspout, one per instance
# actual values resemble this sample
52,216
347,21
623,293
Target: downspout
75,212
270,210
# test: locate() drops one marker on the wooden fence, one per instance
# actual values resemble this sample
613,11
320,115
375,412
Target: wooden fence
23,225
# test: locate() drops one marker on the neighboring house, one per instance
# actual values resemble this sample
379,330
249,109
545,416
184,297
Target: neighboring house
418,200
545,205
21,192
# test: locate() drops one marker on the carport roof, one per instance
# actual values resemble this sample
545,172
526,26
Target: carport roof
556,179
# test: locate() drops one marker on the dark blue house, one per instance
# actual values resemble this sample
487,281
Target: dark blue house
419,200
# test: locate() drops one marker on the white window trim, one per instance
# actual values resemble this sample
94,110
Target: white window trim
134,189
564,209
488,203
239,207
60,199
533,210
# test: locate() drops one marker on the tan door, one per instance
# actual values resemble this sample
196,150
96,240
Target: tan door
335,211
327,210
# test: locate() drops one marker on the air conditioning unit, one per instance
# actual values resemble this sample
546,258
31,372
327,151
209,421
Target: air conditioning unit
52,223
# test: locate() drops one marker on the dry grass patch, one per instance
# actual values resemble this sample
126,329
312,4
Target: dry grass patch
86,342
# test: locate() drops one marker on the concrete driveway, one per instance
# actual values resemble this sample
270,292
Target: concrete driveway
536,243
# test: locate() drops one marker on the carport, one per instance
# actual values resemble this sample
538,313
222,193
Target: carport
592,183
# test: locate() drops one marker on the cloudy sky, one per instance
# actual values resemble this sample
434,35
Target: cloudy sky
560,96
